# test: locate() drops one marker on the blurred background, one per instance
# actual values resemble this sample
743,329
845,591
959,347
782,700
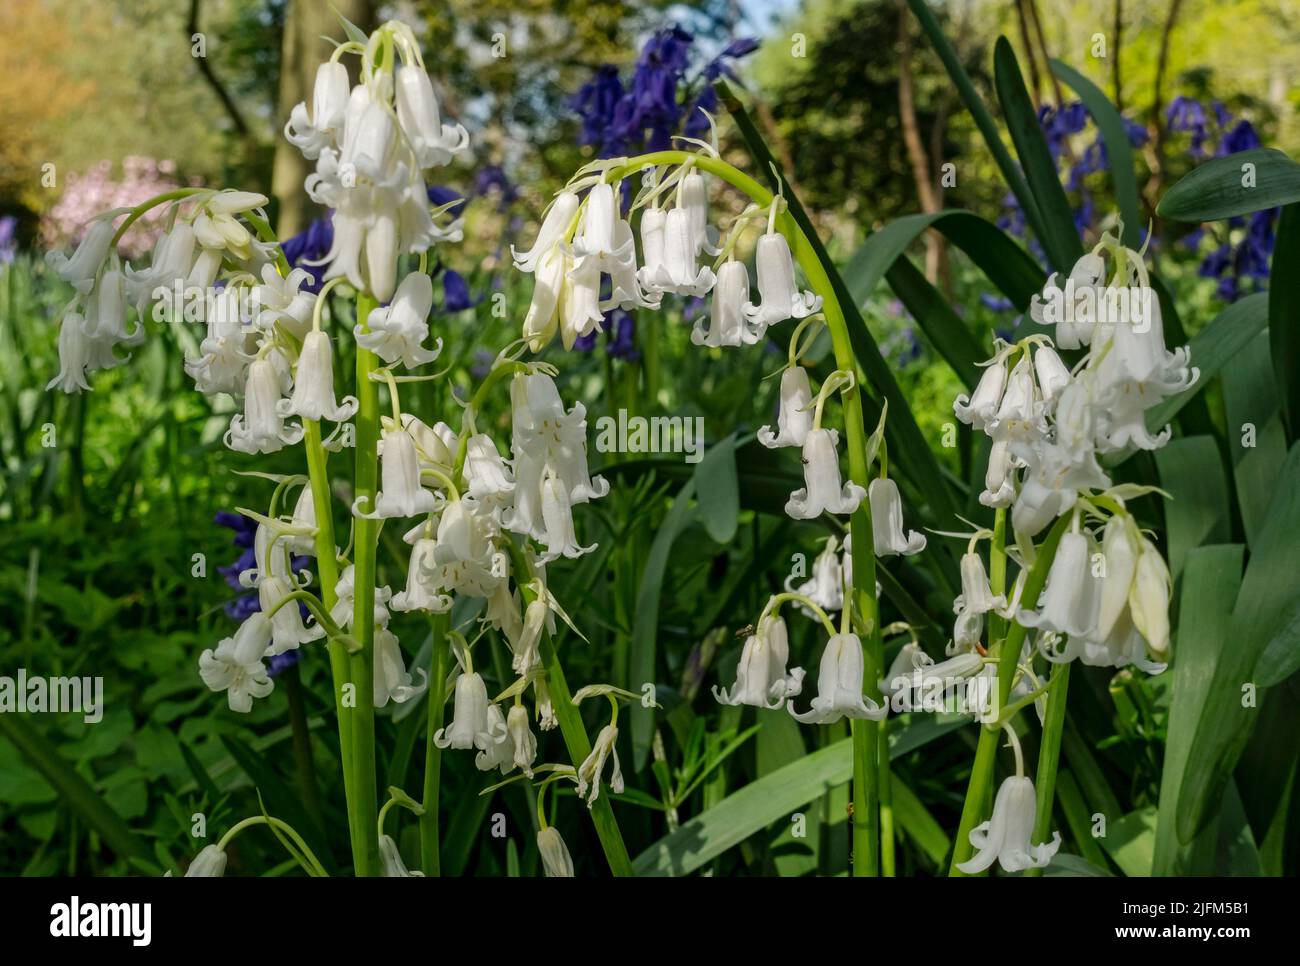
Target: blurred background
106,498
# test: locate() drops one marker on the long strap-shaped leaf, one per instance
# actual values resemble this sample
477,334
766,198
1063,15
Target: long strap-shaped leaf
1059,237
1011,173
1236,184
75,791
907,444
1284,318
1118,151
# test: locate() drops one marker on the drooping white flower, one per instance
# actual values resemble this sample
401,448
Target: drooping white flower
976,594
537,618
979,409
826,587
1120,555
543,317
397,331
390,861
693,197
303,522
520,739
580,312
999,476
470,725
210,863
287,628
1020,414
223,361
500,752
679,272
839,685
559,216
434,445
1069,603
556,862
761,678
434,143
169,266
81,269
1122,646
589,772
260,428
727,324
1085,285
557,518
489,478
400,493
235,666
393,682
311,132
345,594
74,353
313,385
422,588
283,300
794,418
779,297
822,491
1149,598
1053,376
464,559
1006,837
887,521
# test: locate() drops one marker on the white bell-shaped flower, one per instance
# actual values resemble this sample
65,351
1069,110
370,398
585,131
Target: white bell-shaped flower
822,491
392,681
464,559
313,386
1077,300
236,667
780,298
556,861
693,196
283,300
81,269
727,324
589,772
976,594
1120,555
580,313
470,725
1149,598
260,428
1020,415
761,678
287,628
499,754
887,521
653,253
525,649
520,739
980,409
435,445
397,331
557,519
391,865
794,418
400,493
839,685
678,273
422,588
559,216
543,317
433,142
489,478
75,346
345,598
999,476
826,587
1053,376
1006,837
1069,603
210,863
312,132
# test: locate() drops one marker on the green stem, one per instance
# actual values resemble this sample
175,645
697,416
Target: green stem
998,572
304,767
887,863
365,486
134,215
328,572
981,776
1049,755
430,856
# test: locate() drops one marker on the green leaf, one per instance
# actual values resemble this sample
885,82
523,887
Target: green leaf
1212,348
770,799
1284,317
75,791
1060,238
944,328
1211,578
1215,190
1065,865
1191,470
645,625
1256,439
718,490
1131,842
1118,150
1268,592
918,824
1281,657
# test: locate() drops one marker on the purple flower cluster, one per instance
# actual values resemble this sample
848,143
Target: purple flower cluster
620,330
658,101
1243,264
